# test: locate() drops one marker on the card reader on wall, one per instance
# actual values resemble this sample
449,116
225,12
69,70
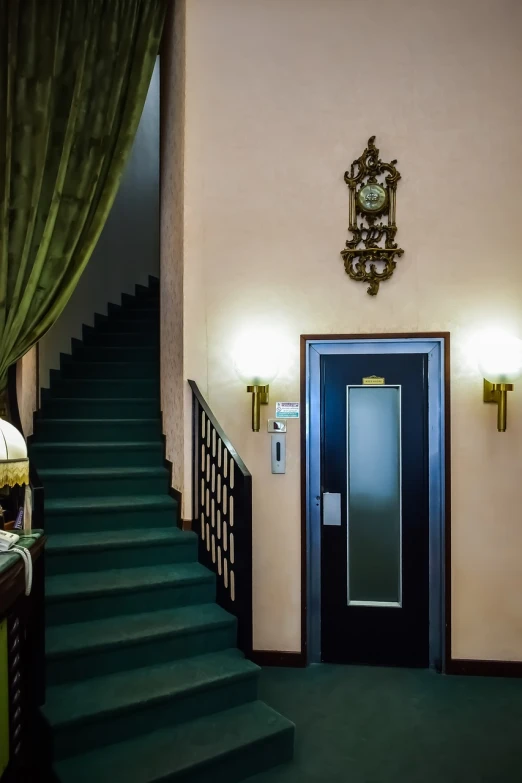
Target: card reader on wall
278,453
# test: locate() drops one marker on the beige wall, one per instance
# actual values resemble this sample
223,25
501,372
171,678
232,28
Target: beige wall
183,319
172,237
26,372
281,96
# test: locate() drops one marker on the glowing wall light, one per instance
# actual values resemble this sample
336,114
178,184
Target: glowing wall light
500,361
256,361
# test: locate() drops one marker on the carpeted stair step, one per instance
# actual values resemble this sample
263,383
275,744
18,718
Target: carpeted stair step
144,292
104,482
129,548
142,312
130,370
85,430
112,513
223,747
96,338
115,353
128,302
148,315
97,454
74,597
141,309
98,387
116,707
92,408
129,325
143,297
92,336
82,650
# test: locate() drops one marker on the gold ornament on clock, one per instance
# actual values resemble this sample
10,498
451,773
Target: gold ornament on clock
370,255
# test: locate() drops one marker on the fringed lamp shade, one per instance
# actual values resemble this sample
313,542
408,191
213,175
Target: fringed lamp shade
14,465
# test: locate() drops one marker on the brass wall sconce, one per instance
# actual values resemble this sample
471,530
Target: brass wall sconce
260,396
256,362
500,360
497,392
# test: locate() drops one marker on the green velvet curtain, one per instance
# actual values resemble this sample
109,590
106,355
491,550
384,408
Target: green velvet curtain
74,76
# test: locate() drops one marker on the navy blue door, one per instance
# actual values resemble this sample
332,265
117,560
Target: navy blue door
375,531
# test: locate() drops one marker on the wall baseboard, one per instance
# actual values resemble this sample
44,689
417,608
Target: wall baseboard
462,666
295,660
484,668
186,524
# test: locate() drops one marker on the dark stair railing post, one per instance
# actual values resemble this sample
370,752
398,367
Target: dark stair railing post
222,515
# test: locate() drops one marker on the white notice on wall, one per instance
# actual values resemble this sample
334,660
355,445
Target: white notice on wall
287,410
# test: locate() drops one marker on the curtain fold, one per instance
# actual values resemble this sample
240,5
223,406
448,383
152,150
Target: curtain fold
74,76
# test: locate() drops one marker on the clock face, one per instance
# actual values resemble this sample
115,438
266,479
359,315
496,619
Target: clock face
372,198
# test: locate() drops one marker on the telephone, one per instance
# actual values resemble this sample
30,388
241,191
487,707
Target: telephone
7,540
8,543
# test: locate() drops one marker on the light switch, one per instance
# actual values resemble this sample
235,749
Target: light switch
278,453
276,425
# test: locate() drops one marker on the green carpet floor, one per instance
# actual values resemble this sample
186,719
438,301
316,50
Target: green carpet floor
374,725
144,682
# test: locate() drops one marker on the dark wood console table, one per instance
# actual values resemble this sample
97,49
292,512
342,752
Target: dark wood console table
22,622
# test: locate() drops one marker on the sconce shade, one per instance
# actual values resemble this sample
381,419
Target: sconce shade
255,359
500,358
14,465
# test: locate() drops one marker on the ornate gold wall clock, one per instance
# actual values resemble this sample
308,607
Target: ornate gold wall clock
370,254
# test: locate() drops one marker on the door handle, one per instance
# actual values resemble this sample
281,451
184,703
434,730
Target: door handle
332,509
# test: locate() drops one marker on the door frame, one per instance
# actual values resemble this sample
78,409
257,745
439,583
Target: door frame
437,346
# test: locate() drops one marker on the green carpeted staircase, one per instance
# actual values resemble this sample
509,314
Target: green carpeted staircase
144,681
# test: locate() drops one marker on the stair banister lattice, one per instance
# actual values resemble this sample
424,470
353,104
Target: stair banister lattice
222,515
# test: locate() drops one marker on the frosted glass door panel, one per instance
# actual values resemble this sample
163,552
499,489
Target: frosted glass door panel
374,496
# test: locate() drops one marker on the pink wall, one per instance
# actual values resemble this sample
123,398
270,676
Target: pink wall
281,96
183,304
172,115
26,372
